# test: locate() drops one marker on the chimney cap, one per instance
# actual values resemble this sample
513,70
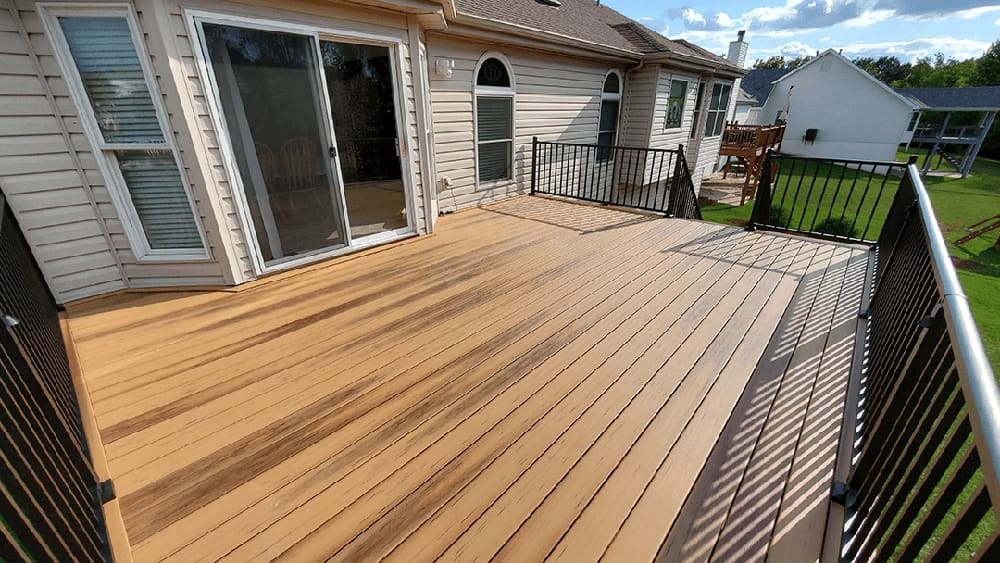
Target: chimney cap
740,34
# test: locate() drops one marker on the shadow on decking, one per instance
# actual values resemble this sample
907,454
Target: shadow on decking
764,491
590,219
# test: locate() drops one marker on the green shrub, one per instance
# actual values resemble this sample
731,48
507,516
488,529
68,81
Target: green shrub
838,226
778,217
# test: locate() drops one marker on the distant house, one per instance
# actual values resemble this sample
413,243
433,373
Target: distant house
755,87
212,142
834,109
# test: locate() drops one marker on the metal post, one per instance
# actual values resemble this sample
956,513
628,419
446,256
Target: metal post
534,162
967,168
761,214
675,186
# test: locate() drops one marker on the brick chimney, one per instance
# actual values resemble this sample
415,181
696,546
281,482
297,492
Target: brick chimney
738,50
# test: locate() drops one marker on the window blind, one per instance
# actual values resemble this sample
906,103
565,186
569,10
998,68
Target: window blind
112,77
158,195
494,118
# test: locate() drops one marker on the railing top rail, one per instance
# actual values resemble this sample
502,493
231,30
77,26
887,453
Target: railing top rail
887,164
979,384
617,147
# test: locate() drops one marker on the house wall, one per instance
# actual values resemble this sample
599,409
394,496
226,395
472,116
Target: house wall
557,99
855,117
49,170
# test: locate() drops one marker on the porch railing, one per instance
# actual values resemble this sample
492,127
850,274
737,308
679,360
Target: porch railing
925,483
641,178
844,200
50,502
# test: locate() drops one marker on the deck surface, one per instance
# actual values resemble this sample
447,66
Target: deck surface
538,379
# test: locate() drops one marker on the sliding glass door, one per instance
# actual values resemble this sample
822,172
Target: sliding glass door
271,97
363,108
313,131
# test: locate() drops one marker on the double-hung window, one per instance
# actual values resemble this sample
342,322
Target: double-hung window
698,104
715,121
607,123
100,51
494,92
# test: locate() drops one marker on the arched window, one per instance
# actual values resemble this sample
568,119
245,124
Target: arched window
607,127
494,91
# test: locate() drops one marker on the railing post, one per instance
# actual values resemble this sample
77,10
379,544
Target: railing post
534,162
675,186
761,214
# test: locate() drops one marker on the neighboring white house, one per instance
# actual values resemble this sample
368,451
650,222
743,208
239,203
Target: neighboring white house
165,143
834,109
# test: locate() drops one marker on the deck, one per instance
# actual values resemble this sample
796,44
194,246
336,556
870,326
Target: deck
539,378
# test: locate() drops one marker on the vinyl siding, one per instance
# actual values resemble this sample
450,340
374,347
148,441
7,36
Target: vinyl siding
47,171
557,99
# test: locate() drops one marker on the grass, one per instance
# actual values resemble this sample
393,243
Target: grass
957,203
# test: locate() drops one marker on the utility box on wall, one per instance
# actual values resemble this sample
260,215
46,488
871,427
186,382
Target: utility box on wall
810,135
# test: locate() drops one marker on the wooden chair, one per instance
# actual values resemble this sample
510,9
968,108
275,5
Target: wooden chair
298,160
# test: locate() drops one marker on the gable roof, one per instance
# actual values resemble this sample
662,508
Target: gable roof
967,98
834,54
587,21
758,82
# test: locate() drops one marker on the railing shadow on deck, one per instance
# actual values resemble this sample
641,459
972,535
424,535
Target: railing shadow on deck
925,482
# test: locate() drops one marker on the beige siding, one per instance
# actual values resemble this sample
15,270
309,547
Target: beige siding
557,99
637,111
46,169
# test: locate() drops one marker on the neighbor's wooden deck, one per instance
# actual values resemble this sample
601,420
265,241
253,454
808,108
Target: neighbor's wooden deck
538,378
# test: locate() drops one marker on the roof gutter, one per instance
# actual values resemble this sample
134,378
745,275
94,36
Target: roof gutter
694,63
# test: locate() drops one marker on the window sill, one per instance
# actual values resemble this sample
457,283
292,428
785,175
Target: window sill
483,186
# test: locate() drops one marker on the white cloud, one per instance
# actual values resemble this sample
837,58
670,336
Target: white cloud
977,12
692,18
916,48
796,49
997,22
722,19
869,18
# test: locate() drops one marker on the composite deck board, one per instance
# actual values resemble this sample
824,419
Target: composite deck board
537,379
767,481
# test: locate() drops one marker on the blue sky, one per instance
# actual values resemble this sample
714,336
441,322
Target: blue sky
907,29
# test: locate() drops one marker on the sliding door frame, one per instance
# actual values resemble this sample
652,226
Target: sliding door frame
194,20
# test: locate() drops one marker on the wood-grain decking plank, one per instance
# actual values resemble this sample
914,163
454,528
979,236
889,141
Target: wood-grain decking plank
638,437
802,517
325,462
196,431
510,363
709,390
641,533
596,365
537,378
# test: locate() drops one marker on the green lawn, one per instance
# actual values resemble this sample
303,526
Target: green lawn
958,203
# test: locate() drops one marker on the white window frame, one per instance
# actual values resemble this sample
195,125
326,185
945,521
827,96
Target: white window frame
104,151
724,110
195,17
610,97
494,92
666,113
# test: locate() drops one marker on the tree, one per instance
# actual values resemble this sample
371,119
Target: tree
885,68
772,62
779,61
988,67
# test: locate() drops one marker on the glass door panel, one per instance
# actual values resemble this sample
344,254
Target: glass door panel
361,90
271,97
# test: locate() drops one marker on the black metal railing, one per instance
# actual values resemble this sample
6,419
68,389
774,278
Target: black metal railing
51,501
641,178
843,200
925,483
